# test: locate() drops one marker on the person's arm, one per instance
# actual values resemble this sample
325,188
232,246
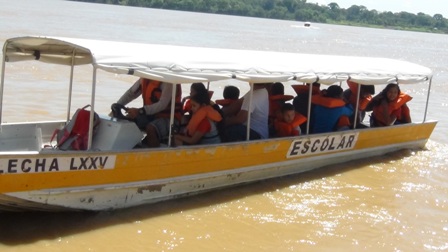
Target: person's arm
203,128
239,118
132,93
406,114
190,139
374,102
386,116
232,108
163,102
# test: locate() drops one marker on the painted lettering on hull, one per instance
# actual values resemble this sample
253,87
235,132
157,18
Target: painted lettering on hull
56,164
322,144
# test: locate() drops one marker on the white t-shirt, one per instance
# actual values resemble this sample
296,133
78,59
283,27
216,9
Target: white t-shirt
259,111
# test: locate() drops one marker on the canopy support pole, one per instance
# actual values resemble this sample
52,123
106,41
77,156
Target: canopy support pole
310,95
358,96
92,108
173,105
251,94
1,88
427,99
70,91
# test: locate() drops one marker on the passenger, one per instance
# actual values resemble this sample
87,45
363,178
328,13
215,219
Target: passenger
230,94
301,101
202,127
289,123
194,88
389,107
277,99
154,116
231,104
365,97
236,126
328,109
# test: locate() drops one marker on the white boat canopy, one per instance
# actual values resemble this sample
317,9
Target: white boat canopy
181,64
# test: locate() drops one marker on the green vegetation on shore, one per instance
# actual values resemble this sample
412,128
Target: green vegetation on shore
299,10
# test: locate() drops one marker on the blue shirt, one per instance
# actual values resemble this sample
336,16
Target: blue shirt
324,119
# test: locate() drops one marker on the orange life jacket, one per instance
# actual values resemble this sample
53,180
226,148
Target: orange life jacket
344,121
284,129
327,102
187,104
202,113
353,86
275,103
394,107
151,93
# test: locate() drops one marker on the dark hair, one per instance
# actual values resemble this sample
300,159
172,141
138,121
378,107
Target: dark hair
334,91
201,97
231,92
388,87
287,106
277,89
198,87
382,96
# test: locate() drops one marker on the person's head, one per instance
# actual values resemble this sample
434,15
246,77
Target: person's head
288,112
199,99
197,87
277,89
334,91
391,91
231,93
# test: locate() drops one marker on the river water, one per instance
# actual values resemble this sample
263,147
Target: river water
397,202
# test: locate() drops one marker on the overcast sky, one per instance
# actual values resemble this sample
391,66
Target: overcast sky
429,7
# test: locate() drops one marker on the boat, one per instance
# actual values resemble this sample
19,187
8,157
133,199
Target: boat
307,24
111,174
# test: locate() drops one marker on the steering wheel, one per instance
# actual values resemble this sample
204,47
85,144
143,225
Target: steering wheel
117,111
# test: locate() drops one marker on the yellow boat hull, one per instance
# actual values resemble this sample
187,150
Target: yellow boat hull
92,180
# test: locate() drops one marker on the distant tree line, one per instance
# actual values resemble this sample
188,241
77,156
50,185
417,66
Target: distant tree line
299,10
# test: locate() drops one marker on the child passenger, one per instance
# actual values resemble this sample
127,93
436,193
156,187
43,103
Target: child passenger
194,88
202,127
289,123
389,107
277,99
231,104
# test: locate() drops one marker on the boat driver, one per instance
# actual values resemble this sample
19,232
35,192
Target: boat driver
154,116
